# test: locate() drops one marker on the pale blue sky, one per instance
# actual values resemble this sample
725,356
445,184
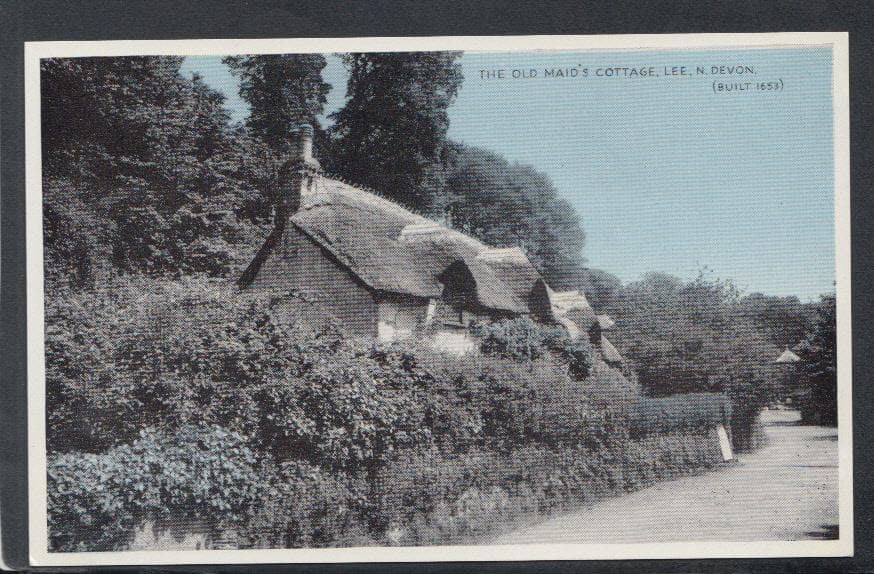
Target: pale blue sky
666,175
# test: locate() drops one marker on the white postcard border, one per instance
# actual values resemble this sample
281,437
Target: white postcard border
37,498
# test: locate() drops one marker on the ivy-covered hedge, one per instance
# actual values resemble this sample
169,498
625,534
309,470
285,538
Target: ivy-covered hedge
207,475
295,435
96,500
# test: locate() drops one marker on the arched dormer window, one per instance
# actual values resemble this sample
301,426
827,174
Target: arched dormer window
459,293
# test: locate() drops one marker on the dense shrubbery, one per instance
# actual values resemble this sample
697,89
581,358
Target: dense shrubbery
523,339
96,500
326,439
689,411
419,497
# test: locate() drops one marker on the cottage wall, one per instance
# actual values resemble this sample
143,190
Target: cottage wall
299,264
455,340
398,317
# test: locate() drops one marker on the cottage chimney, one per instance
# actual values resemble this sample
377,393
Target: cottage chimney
297,174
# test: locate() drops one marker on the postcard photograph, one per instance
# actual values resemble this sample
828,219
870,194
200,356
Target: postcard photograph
439,299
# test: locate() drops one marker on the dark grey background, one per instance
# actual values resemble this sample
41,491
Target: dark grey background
23,20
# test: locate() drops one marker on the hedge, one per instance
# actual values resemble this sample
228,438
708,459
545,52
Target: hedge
96,502
299,435
687,411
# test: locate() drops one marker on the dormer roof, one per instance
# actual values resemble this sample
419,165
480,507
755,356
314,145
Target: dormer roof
391,249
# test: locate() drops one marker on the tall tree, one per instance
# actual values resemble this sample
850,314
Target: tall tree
136,171
513,205
283,91
391,134
600,287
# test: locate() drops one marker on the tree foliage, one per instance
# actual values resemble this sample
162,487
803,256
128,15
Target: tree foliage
690,337
818,364
391,133
508,204
283,91
140,170
785,321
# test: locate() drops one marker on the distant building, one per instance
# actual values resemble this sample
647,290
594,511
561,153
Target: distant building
386,272
787,357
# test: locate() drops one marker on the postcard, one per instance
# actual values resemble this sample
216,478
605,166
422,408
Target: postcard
438,299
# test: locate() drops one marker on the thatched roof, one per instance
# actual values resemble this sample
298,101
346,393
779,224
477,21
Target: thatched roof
609,352
391,249
573,305
567,300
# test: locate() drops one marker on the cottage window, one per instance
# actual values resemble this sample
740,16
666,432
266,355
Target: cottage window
458,309
459,292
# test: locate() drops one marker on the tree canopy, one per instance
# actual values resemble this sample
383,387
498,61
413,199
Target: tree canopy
140,170
690,336
507,204
391,133
283,91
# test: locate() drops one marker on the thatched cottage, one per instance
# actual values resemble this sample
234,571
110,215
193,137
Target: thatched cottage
386,272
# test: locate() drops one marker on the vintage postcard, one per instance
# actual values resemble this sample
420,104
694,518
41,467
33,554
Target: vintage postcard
435,299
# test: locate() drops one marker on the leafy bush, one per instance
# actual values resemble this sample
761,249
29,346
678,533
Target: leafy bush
143,353
168,354
609,388
520,339
523,339
338,441
96,500
303,505
347,409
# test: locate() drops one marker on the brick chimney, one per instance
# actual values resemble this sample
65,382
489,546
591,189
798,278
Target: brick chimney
297,173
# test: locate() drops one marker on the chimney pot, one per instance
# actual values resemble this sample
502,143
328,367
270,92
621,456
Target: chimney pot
297,173
302,146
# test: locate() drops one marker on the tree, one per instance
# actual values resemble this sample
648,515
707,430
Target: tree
691,336
138,171
508,204
818,353
283,91
391,134
600,288
784,320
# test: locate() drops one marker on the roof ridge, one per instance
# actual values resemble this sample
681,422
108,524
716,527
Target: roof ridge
377,194
394,204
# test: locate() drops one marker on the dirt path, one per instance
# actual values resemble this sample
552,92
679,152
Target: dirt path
786,491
